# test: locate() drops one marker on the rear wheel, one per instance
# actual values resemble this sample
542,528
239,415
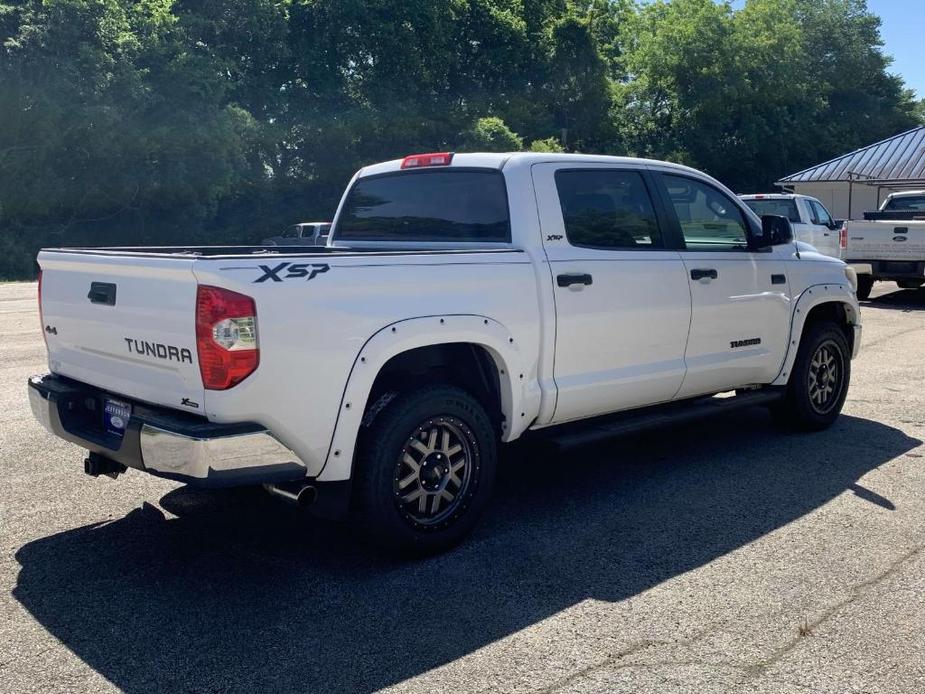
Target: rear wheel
425,469
819,380
865,284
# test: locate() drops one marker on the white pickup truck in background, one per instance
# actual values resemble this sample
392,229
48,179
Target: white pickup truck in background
463,301
302,234
811,221
888,244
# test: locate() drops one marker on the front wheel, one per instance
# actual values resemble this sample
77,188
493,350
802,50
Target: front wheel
425,469
819,380
865,285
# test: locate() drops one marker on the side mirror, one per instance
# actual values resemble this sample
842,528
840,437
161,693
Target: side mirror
775,230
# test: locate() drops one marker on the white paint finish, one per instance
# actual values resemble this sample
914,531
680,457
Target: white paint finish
617,344
740,304
620,341
155,302
808,299
312,332
520,395
877,240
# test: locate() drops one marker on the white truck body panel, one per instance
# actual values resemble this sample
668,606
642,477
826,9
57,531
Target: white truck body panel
154,308
889,249
885,240
644,332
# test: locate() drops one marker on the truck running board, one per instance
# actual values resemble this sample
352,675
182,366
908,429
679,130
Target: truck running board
575,434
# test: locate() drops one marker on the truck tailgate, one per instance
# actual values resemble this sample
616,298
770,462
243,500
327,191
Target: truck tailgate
123,324
886,240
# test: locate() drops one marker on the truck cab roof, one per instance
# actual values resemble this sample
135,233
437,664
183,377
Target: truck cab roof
775,196
505,160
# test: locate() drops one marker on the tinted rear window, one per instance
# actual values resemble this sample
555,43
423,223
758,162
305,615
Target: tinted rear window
910,202
604,208
780,207
441,205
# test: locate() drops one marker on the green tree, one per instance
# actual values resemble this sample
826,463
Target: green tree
548,144
491,134
187,121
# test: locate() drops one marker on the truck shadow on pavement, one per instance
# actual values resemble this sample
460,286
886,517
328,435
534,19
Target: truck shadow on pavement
240,593
903,299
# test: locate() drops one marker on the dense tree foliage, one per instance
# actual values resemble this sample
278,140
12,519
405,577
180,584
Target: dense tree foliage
183,121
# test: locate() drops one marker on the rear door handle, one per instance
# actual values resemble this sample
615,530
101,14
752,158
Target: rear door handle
573,278
704,273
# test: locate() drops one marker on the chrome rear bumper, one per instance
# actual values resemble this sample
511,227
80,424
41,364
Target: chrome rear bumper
163,442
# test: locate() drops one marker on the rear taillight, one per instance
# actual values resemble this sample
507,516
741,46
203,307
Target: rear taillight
417,161
843,237
41,316
226,337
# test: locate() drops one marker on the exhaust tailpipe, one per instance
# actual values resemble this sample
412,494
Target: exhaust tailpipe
297,493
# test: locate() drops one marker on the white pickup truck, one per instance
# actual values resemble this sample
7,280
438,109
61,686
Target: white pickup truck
462,302
888,244
809,218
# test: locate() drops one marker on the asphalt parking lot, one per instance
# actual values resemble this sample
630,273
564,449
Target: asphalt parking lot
723,556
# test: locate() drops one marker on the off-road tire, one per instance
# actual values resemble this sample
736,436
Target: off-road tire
823,362
403,427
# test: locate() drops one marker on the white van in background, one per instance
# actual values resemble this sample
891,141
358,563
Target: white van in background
811,222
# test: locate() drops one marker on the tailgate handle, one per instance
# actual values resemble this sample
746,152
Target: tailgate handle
102,293
900,230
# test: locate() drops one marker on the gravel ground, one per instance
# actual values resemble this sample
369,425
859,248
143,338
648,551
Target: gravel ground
724,556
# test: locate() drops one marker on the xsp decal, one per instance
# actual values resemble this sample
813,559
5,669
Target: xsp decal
745,343
293,271
554,237
158,351
189,403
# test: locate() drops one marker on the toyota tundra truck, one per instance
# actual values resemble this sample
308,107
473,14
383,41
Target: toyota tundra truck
888,244
463,302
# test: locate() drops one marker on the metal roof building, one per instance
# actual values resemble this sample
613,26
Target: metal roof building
854,182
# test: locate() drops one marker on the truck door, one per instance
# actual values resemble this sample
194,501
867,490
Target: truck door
740,318
621,294
825,239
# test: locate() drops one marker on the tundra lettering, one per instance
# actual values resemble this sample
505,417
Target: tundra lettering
159,351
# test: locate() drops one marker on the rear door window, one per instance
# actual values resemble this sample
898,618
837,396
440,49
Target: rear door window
607,209
427,206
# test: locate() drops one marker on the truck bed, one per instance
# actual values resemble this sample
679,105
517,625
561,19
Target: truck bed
270,251
125,320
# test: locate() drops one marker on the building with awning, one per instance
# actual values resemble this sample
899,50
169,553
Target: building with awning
858,181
